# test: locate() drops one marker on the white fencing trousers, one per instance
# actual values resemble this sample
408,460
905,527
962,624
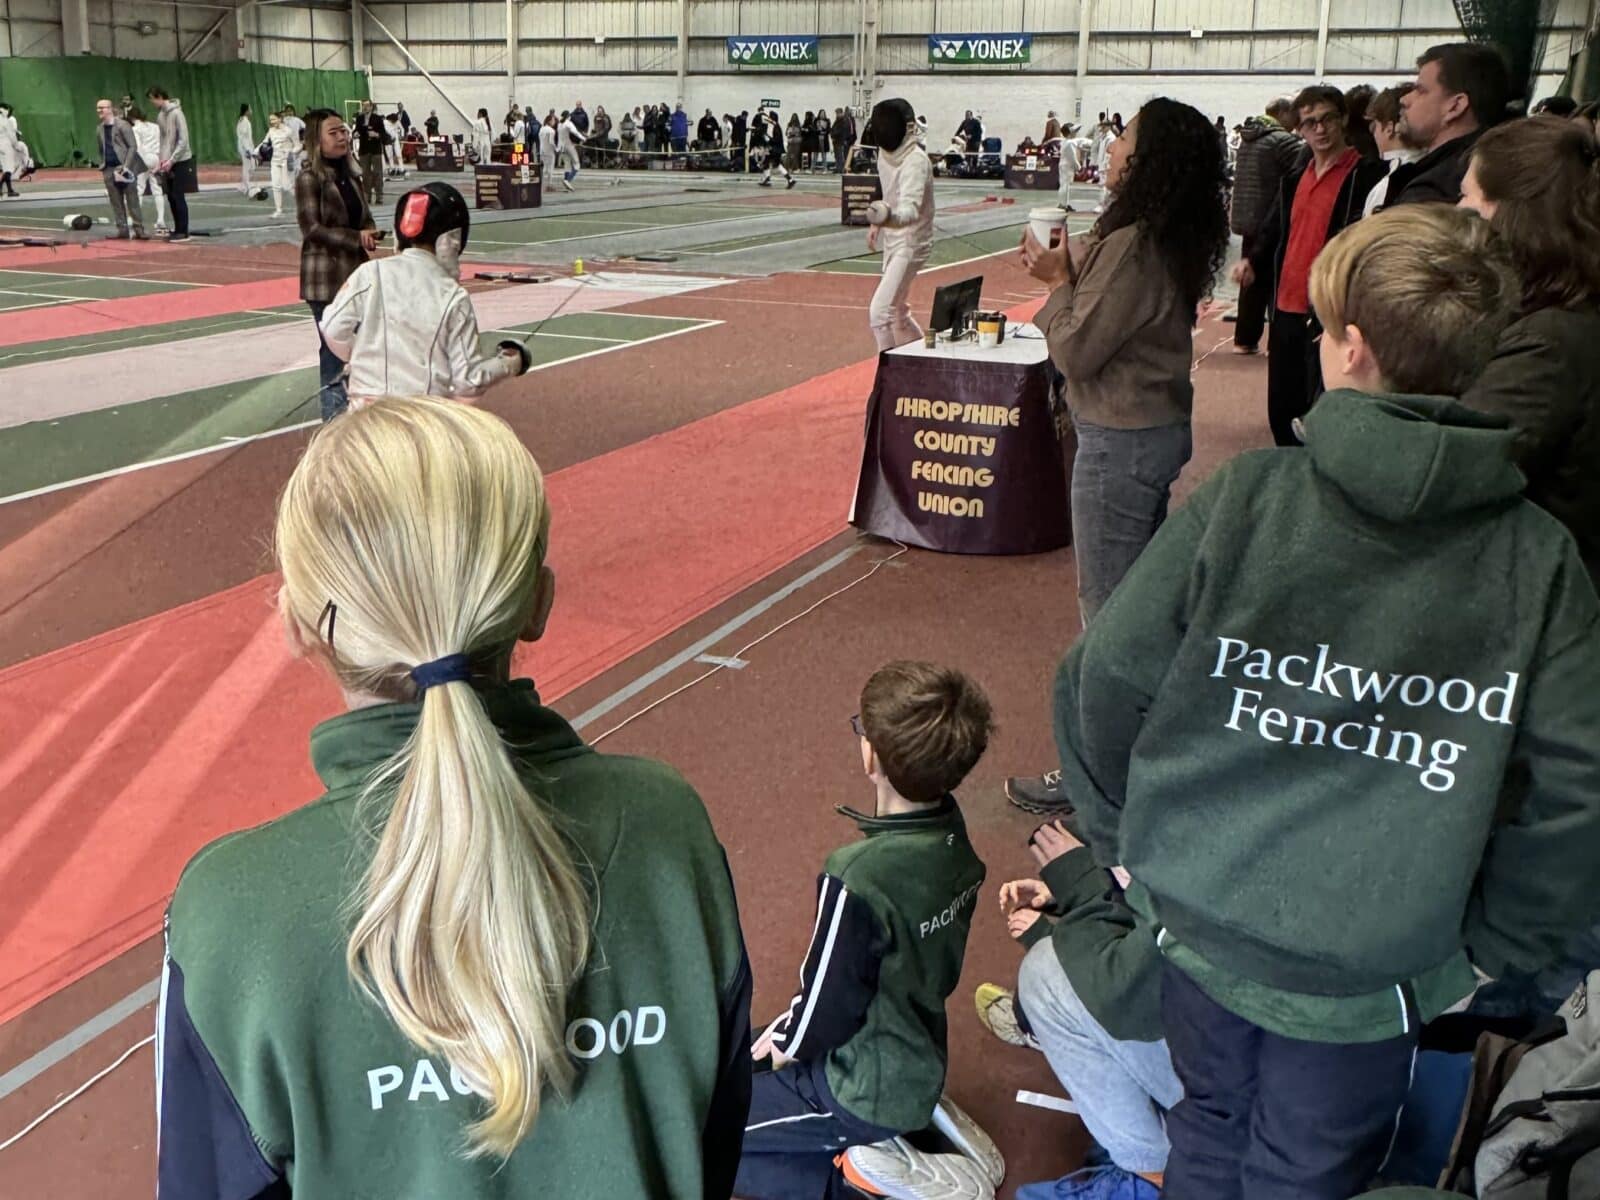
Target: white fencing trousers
890,311
282,182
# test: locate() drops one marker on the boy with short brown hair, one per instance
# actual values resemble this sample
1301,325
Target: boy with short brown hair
1300,718
858,1059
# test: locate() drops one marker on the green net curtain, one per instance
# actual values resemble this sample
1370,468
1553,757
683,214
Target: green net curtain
54,99
1519,27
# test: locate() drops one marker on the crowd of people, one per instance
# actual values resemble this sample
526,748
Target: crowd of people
1329,742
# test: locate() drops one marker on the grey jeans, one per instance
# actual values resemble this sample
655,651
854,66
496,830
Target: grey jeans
1121,482
124,199
1122,1089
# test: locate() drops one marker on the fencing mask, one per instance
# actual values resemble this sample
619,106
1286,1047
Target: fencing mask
434,214
889,125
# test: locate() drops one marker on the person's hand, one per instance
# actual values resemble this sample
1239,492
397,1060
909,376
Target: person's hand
872,237
1047,264
1024,893
164,166
763,1045
1050,841
1243,273
369,240
1022,920
877,213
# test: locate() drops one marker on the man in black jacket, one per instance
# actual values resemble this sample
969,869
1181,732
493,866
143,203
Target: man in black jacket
708,131
1314,203
1461,90
371,137
1268,150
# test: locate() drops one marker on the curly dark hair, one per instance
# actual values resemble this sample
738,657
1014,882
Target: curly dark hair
1176,189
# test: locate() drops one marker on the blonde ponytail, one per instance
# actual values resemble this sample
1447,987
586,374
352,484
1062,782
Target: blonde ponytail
424,524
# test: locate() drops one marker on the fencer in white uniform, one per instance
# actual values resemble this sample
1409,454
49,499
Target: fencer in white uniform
405,324
901,223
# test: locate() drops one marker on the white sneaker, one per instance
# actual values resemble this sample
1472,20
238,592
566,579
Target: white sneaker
968,1137
901,1171
567,183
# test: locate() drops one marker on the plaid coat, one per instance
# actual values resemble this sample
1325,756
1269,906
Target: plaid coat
330,250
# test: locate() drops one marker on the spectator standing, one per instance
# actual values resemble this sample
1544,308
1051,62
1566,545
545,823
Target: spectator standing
808,140
1389,135
370,136
740,137
405,120
147,139
824,136
628,134
393,135
10,150
793,141
1268,151
1461,90
708,131
580,120
971,134
1119,326
1538,183
679,123
843,133
1314,202
600,134
176,165
120,167
1356,126
244,140
283,143
337,234
431,125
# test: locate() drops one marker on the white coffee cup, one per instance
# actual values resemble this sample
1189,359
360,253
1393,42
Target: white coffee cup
1043,222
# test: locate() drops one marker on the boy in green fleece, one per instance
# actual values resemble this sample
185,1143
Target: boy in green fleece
859,1056
1341,725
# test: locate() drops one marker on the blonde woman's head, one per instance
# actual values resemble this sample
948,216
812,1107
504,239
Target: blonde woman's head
413,531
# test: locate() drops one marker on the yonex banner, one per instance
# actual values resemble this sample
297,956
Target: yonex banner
772,51
999,49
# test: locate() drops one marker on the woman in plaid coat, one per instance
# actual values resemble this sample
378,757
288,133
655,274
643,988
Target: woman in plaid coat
337,232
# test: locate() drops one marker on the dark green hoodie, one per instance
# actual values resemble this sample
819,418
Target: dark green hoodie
273,1068
1297,718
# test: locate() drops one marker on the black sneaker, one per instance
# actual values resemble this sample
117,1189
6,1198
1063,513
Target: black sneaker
792,181
179,237
1042,795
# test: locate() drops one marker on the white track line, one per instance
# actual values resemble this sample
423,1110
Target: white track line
271,433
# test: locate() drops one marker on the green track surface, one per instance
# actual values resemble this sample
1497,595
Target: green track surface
755,241
46,453
204,208
23,289
553,228
146,335
946,250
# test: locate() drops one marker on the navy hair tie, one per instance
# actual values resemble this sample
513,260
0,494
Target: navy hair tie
452,668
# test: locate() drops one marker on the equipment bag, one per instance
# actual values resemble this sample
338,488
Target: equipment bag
1531,1129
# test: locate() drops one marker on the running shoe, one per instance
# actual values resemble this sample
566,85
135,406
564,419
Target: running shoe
997,1009
967,1136
1041,795
899,1170
1092,1183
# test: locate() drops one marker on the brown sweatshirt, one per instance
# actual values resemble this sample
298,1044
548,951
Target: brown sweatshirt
1122,336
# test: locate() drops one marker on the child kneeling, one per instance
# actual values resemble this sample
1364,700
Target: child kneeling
859,1057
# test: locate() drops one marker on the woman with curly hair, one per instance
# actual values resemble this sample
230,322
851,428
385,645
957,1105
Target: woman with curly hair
1119,324
1538,183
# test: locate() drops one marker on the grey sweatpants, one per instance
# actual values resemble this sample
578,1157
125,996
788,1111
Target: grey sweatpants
1122,1089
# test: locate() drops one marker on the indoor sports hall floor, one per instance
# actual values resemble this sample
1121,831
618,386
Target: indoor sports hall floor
697,405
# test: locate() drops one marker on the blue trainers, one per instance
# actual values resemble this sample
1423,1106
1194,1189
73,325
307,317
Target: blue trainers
1093,1183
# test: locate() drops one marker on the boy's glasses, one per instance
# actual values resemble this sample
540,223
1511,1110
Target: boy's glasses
855,724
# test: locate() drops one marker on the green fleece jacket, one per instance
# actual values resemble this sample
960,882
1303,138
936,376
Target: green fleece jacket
277,1073
1106,949
1341,723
